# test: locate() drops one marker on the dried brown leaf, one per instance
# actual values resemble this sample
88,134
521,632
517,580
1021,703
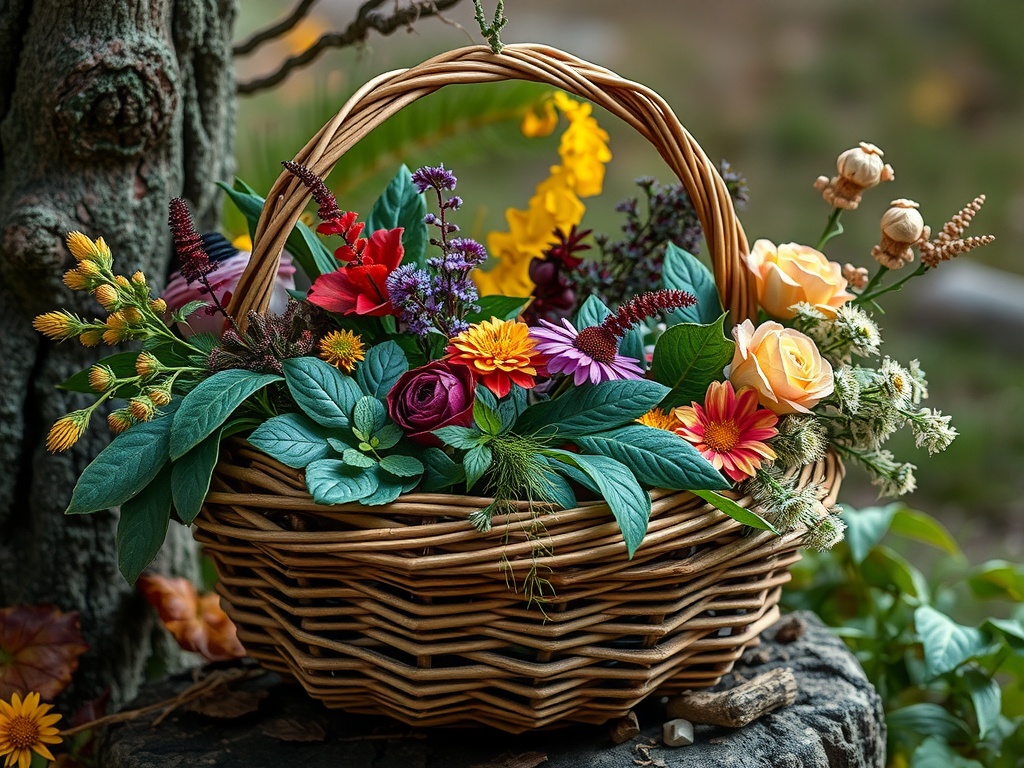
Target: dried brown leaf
197,623
228,705
291,729
39,650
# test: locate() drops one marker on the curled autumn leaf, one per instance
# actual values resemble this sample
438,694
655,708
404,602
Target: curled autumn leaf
39,650
197,623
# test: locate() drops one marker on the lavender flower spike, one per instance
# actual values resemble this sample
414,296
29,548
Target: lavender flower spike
439,178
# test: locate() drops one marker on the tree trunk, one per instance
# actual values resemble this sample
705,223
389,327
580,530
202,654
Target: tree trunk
108,110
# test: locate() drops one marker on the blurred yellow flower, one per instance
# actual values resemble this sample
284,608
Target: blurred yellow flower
540,121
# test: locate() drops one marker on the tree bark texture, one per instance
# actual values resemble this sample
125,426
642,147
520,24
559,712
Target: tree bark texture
107,110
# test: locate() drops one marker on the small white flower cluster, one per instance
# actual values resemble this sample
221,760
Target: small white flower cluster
851,332
787,506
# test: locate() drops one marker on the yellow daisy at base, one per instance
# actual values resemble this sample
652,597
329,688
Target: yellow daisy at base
658,419
556,203
26,728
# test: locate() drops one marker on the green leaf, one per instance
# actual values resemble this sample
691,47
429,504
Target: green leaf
587,410
142,526
355,458
735,511
998,580
688,357
369,415
402,466
987,698
402,205
887,570
922,527
180,315
682,271
511,406
292,439
124,467
622,493
333,482
1011,630
935,752
389,488
947,644
928,719
591,313
501,307
476,461
463,438
485,418
388,436
384,364
323,392
190,477
656,457
557,490
123,366
865,528
210,404
439,470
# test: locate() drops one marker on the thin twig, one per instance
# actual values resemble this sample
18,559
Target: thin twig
275,31
492,31
367,18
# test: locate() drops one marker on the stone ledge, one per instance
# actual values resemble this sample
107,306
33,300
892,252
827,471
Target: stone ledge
836,722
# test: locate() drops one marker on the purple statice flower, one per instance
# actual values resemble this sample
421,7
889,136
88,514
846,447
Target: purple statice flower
596,359
439,178
412,293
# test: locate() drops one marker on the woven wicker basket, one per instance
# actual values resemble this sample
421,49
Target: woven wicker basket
405,610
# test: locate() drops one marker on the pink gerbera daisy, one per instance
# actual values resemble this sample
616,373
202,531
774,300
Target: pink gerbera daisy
585,355
729,429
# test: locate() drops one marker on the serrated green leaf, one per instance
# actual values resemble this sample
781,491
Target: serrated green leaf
865,528
682,271
180,315
124,467
368,415
142,527
947,644
402,205
402,466
486,420
475,463
656,457
735,511
439,470
688,357
628,502
511,407
384,364
355,458
324,393
331,481
388,436
501,307
592,409
210,404
292,439
463,438
986,696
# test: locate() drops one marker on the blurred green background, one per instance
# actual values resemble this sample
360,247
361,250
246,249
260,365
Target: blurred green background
778,88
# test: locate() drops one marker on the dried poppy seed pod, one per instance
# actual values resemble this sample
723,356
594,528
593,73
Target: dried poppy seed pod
859,168
902,227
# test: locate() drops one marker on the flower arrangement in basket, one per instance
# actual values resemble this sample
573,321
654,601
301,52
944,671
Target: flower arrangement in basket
525,504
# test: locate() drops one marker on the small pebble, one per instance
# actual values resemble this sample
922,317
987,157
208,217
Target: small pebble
677,733
624,729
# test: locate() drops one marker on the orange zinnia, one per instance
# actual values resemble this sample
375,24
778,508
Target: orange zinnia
500,353
729,429
26,728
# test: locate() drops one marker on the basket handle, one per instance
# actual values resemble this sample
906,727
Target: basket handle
386,94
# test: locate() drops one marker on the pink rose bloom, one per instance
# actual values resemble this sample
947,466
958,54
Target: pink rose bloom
223,280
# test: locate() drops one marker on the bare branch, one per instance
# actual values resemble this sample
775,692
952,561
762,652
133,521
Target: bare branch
368,18
277,30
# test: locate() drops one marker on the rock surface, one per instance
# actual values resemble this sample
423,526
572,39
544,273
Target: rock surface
836,722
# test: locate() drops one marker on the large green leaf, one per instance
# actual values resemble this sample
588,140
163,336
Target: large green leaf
124,467
190,477
440,470
928,719
384,364
592,409
293,439
987,698
142,526
401,205
475,463
123,366
331,481
402,466
627,500
688,357
501,307
210,404
323,392
922,527
947,644
935,752
735,511
998,580
656,457
865,528
682,271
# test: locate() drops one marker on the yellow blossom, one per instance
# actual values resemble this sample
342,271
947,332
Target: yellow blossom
89,269
159,306
342,349
160,396
132,315
122,281
91,337
146,364
117,329
499,352
120,420
81,247
76,281
101,377
540,121
106,295
66,431
58,325
142,408
25,727
658,419
139,278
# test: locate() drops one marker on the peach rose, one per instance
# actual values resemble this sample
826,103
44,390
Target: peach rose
782,364
789,274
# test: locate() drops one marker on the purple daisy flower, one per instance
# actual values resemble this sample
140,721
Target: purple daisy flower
590,354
